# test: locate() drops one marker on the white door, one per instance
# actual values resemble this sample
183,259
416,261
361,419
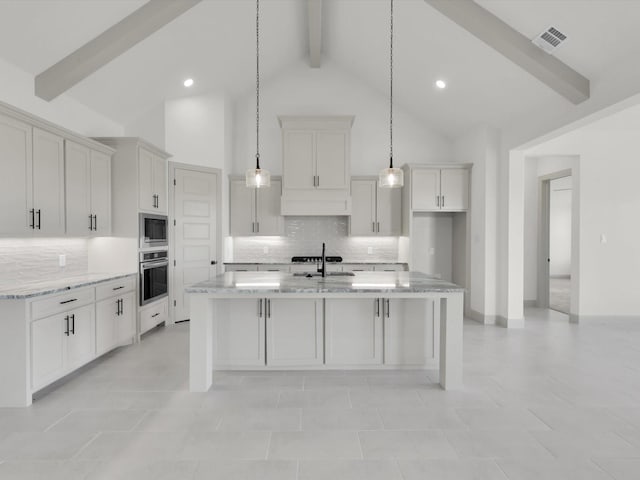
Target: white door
146,194
425,189
126,321
48,183
195,215
331,160
454,189
242,204
77,189
47,350
299,165
81,342
15,177
363,207
101,193
353,331
269,220
106,314
389,211
239,331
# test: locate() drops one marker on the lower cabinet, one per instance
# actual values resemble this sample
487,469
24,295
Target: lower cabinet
153,315
115,322
239,333
410,333
61,343
353,331
294,329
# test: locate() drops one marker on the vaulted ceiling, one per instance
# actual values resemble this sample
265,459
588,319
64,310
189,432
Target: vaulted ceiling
214,43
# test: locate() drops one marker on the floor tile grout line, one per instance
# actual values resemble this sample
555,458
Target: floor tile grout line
58,421
297,469
360,445
266,456
495,461
140,420
95,436
599,467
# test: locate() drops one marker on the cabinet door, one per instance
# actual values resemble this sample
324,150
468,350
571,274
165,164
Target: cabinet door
353,331
410,335
299,159
389,211
425,189
146,199
126,321
239,331
81,343
48,182
242,204
363,208
106,317
268,217
454,189
294,332
15,176
101,193
47,350
331,160
160,183
77,189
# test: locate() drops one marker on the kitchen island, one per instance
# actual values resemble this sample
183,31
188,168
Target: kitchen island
212,311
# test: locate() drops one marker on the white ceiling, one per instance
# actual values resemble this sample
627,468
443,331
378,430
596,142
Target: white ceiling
214,43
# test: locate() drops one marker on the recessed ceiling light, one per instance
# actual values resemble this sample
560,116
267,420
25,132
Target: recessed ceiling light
188,82
441,84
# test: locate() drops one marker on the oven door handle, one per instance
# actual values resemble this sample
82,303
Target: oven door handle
147,265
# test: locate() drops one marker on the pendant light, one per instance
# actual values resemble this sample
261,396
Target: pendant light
257,177
391,177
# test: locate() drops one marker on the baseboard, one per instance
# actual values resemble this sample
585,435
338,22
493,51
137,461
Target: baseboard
530,303
510,322
593,319
480,317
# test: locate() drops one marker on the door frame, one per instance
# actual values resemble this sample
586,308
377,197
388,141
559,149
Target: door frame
173,166
544,230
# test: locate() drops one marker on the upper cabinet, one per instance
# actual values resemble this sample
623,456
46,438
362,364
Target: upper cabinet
375,210
34,180
88,190
439,188
255,211
316,165
152,194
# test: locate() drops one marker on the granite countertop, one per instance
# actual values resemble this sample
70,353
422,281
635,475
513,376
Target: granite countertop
46,287
249,283
343,262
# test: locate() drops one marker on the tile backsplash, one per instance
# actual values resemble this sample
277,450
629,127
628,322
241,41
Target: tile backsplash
33,259
304,236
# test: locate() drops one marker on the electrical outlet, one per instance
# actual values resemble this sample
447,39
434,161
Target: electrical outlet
369,250
62,260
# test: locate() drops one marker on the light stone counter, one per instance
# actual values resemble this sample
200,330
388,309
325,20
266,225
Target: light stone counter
410,285
46,287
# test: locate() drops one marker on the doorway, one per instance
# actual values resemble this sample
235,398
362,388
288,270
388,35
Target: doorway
555,258
195,233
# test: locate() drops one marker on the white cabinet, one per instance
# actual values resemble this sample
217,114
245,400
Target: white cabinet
353,331
294,329
47,209
316,165
115,315
152,181
239,333
61,343
15,176
88,191
410,333
375,210
255,211
439,189
153,314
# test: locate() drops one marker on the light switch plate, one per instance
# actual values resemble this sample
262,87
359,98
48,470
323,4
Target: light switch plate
62,260
369,250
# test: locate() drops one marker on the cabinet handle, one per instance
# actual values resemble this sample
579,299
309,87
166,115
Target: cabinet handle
378,227
378,307
438,200
373,227
73,324
318,181
90,222
95,223
388,308
442,201
253,227
155,315
268,308
32,212
257,227
39,223
69,301
157,200
66,320
259,308
118,288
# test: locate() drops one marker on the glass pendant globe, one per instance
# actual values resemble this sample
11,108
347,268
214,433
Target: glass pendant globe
391,178
257,178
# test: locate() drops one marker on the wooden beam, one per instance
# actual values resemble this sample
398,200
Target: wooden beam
516,47
108,45
314,8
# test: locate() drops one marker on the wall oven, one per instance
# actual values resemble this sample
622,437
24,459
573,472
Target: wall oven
154,276
153,230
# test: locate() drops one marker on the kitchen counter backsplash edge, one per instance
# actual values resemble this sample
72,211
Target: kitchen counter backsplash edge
41,288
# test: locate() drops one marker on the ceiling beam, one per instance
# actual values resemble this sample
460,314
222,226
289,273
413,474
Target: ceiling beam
516,47
314,8
113,42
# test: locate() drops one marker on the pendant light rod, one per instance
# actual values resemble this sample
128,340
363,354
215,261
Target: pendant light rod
391,90
257,84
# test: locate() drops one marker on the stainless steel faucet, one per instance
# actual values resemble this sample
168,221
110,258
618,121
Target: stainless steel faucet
323,269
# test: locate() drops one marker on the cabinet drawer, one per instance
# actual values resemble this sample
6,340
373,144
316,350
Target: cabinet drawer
53,304
152,316
117,287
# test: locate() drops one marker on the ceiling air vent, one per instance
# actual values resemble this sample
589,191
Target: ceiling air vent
550,39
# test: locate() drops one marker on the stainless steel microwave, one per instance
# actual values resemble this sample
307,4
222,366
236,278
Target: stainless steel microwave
153,230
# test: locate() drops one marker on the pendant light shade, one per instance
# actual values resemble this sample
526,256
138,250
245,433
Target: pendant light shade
391,177
257,177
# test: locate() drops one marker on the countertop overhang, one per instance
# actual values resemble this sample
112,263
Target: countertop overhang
279,283
46,287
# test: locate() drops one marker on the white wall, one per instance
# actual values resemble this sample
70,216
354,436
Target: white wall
17,89
149,126
301,90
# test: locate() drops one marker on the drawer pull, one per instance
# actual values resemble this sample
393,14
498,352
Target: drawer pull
155,315
118,288
69,301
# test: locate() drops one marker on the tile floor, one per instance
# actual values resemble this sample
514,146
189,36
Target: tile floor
551,401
